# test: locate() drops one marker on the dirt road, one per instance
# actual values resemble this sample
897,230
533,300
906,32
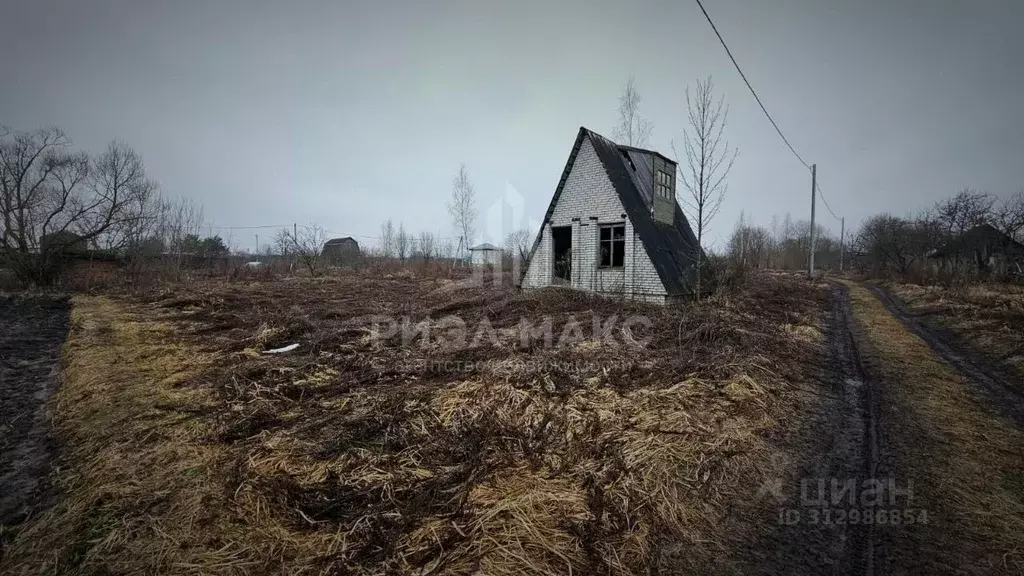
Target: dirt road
921,469
993,386
947,493
841,447
31,334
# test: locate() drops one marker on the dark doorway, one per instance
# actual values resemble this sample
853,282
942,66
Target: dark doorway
561,237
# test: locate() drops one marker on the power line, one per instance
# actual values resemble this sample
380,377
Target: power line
248,227
286,226
761,104
744,76
822,196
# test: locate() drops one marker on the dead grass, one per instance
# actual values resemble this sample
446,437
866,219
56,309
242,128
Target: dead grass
193,452
129,428
987,319
965,463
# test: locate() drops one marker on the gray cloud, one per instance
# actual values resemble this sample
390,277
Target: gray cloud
350,113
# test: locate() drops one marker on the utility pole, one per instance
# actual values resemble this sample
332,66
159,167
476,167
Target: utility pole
842,238
295,232
257,244
814,194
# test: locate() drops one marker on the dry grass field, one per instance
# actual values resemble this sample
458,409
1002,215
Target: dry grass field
985,319
634,448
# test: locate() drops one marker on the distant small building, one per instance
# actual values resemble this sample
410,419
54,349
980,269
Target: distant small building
63,242
341,249
983,250
484,254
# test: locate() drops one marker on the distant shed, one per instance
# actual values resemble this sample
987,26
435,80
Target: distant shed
341,249
485,253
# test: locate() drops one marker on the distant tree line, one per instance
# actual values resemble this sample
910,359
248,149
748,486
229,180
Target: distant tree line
884,245
888,245
56,200
786,245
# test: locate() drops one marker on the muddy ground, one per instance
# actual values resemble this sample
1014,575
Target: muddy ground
32,331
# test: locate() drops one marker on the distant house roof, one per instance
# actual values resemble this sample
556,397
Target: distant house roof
344,240
672,248
485,246
981,237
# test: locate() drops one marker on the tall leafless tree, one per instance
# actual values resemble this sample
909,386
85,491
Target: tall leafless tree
387,239
426,245
403,242
462,208
119,173
708,159
632,129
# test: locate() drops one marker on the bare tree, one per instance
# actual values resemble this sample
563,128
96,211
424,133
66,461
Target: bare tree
1009,217
308,247
517,245
119,174
183,219
283,243
445,248
53,199
632,129
708,159
750,245
462,207
426,245
403,242
969,208
891,245
387,239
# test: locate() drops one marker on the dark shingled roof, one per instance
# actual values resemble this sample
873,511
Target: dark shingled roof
344,240
672,249
981,237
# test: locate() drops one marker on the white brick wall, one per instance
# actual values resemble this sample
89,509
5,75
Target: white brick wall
589,193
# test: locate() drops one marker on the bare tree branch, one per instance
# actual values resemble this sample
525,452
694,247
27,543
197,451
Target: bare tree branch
308,247
1009,217
632,129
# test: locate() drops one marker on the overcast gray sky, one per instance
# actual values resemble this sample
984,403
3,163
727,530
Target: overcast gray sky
349,113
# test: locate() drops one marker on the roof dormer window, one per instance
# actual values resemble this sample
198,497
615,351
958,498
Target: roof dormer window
663,184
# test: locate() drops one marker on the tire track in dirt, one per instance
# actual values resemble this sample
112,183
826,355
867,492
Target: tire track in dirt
32,331
861,427
833,445
1001,395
